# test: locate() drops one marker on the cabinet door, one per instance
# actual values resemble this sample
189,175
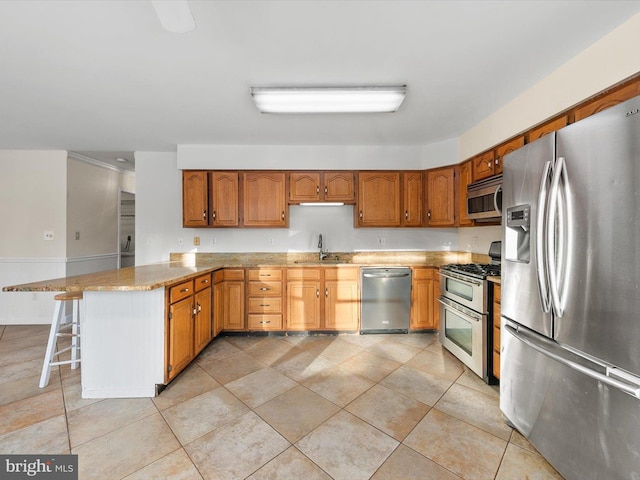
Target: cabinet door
233,306
304,187
195,195
265,200
341,302
378,199
339,187
224,199
203,331
413,199
547,128
505,149
483,166
607,100
441,197
422,301
465,171
218,308
180,335
303,299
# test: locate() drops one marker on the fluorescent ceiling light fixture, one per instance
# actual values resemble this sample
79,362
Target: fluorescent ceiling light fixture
328,99
174,15
321,204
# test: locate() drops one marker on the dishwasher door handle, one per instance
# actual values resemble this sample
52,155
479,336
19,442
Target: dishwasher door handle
385,275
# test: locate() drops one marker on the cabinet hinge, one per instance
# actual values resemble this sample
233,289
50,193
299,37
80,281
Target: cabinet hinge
170,315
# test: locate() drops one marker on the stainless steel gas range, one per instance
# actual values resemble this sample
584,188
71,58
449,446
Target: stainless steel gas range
465,302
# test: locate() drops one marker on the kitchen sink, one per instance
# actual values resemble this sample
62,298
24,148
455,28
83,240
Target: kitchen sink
326,261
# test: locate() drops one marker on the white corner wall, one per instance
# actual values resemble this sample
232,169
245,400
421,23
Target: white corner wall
607,62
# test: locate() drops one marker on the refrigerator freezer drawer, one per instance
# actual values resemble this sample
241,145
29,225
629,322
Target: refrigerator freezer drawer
586,429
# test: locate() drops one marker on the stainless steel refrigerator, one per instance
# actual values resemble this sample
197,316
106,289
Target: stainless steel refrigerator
570,342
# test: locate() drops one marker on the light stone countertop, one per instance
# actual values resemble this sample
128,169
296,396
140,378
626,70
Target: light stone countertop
185,266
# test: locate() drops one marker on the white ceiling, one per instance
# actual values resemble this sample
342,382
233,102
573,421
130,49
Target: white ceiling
96,76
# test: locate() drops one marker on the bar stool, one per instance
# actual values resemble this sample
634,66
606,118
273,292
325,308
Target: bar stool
59,327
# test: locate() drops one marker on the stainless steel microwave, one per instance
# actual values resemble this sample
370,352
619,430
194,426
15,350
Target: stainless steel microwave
484,199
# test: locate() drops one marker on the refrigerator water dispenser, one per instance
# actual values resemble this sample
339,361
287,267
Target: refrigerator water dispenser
517,234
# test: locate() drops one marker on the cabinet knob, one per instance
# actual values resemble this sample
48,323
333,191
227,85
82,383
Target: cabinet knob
282,215
204,214
318,292
264,305
489,164
213,214
184,290
428,213
199,308
360,213
265,321
406,214
326,190
264,289
317,189
326,292
497,160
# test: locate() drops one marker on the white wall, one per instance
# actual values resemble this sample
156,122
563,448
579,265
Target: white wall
159,223
610,60
32,199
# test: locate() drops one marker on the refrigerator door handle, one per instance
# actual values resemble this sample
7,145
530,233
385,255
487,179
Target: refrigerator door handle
630,385
541,229
558,236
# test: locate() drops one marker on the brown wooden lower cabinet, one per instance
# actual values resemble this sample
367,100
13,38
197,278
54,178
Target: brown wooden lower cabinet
496,330
189,322
424,294
264,299
303,298
230,299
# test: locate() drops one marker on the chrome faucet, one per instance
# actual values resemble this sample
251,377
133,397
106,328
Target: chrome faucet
323,254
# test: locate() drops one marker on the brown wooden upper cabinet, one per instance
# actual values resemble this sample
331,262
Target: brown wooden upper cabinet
378,200
321,187
224,199
265,199
465,177
483,165
547,127
441,197
195,198
505,149
609,99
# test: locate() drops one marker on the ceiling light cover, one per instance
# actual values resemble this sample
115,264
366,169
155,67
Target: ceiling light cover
328,99
174,15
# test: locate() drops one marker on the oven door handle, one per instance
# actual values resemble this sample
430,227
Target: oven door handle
446,273
466,314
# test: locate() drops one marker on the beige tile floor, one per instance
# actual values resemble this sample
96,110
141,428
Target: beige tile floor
296,407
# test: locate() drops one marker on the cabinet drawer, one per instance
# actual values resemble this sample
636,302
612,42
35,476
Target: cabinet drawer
265,274
228,274
265,305
422,273
180,291
342,273
202,282
303,273
265,289
265,322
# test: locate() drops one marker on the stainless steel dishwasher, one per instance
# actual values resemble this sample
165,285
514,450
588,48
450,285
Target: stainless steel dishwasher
386,299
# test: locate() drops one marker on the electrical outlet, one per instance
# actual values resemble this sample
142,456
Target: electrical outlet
382,241
213,242
270,240
48,235
181,242
196,241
